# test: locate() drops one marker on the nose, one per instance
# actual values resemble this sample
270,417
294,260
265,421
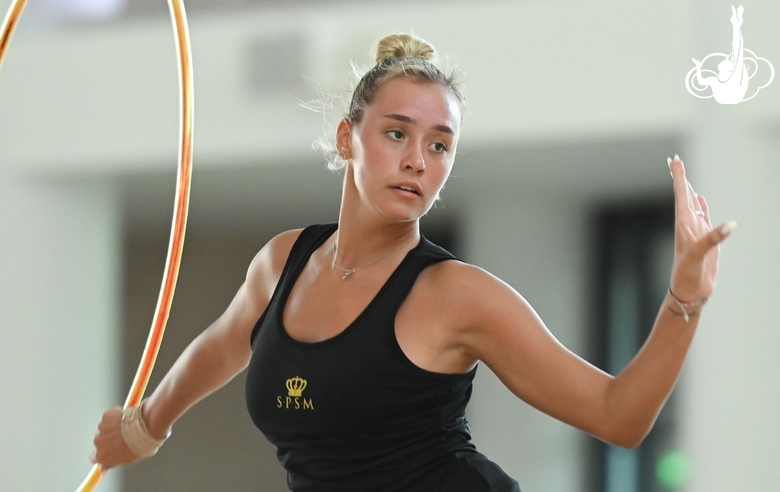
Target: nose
415,159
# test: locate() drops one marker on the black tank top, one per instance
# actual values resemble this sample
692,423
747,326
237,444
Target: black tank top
353,413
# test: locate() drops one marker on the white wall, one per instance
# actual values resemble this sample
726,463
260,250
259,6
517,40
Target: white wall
559,65
59,254
732,424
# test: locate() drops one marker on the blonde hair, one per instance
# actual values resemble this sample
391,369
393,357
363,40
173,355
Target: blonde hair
394,56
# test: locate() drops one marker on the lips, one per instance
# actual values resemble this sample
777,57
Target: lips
409,187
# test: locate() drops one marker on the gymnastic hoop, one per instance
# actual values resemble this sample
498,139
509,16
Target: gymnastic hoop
181,205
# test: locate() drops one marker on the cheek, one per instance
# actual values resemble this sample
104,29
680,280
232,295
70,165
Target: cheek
368,168
365,149
443,173
356,149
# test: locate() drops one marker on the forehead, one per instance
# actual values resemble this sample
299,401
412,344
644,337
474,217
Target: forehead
429,103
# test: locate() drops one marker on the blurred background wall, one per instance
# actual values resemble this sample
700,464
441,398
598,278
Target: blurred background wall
573,108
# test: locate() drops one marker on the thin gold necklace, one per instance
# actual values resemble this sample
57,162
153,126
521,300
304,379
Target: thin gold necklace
348,272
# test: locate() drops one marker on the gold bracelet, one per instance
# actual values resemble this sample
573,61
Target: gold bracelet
683,305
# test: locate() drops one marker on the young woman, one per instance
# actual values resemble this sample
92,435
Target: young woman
362,338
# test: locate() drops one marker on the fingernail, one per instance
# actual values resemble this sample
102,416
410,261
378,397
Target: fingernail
726,228
676,157
669,161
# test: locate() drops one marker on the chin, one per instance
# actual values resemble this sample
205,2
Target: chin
399,216
404,212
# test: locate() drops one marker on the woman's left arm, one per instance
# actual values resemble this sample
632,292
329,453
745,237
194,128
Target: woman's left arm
503,331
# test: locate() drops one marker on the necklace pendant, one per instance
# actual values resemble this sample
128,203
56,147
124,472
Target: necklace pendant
347,274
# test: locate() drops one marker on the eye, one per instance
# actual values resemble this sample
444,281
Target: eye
395,134
439,147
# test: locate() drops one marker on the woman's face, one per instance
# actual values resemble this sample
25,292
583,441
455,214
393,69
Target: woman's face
403,149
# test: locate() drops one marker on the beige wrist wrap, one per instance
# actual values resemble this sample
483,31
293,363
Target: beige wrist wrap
136,434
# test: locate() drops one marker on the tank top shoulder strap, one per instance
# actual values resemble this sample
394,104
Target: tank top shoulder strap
401,281
307,242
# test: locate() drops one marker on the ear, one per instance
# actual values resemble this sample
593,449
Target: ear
344,137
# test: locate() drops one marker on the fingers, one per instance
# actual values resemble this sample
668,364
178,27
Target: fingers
678,175
94,461
693,199
712,239
705,209
684,194
110,448
110,419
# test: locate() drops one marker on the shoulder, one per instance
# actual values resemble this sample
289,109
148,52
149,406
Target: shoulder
457,279
266,267
481,309
470,292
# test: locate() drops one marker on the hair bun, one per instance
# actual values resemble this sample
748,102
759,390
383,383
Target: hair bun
403,46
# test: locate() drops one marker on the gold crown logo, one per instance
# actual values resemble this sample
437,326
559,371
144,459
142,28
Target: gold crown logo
295,386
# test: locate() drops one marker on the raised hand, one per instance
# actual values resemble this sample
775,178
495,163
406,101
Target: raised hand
696,242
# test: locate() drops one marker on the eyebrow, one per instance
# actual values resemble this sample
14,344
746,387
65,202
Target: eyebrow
406,119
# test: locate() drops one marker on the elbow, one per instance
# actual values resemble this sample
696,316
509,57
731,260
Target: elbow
626,426
627,436
629,442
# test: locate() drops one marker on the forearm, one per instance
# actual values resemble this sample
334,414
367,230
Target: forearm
637,394
202,368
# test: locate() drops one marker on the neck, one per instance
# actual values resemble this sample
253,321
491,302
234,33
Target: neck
358,244
363,236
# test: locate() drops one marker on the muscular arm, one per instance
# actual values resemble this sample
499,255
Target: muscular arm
209,362
502,330
507,335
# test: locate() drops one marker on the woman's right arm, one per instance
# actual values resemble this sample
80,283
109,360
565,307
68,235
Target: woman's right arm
208,363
